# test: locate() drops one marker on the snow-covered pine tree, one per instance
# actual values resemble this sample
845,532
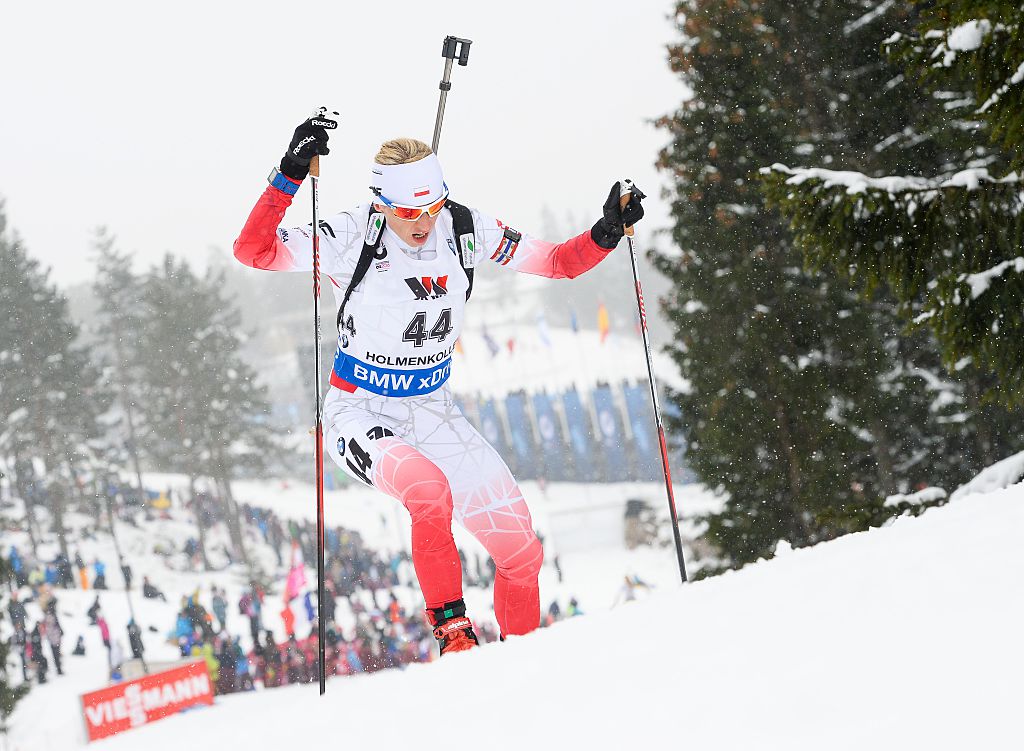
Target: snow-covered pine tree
807,406
947,237
118,293
205,413
51,396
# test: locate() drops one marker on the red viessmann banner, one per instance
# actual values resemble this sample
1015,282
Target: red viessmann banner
127,705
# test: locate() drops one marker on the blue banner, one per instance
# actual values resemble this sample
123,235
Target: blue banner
524,449
491,428
552,443
646,452
611,435
467,406
580,437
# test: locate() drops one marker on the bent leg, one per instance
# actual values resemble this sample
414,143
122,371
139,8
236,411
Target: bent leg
501,522
489,504
404,473
367,446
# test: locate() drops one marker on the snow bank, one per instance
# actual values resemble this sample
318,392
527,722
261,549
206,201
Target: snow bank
902,637
1000,475
927,495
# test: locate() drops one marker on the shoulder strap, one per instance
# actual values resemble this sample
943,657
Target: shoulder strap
371,244
462,226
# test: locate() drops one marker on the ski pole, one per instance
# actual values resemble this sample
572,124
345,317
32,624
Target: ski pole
314,174
626,190
453,47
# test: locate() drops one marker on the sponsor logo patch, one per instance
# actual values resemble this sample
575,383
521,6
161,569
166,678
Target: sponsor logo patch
428,288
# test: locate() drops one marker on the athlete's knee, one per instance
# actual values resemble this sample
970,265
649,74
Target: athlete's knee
524,566
421,486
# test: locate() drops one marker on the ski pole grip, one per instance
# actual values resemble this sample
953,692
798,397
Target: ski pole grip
314,166
623,200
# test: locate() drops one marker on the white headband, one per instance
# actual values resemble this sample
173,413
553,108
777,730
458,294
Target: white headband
418,183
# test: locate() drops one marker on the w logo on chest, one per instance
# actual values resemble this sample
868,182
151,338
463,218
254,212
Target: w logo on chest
427,287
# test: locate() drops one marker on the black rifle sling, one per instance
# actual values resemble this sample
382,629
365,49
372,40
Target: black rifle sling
462,224
365,259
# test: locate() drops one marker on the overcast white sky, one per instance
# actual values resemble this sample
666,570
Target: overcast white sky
161,121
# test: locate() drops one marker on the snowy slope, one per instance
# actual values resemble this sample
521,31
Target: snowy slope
908,636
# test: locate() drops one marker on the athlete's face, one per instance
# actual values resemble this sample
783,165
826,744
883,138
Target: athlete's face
412,233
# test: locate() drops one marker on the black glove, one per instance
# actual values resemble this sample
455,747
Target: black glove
309,140
609,228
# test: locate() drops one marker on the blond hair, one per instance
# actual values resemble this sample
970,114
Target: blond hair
402,151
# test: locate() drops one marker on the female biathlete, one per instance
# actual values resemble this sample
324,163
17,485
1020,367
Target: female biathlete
401,267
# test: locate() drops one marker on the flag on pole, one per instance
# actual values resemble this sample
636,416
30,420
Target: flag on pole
492,345
296,574
602,321
542,329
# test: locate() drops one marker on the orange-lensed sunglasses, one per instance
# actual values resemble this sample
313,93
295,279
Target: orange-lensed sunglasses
412,213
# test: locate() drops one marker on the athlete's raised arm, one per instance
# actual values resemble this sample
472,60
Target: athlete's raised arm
566,260
263,244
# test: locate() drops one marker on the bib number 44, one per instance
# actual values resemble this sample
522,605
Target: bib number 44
416,332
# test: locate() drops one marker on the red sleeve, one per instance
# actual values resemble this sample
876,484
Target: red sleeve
259,245
576,255
566,260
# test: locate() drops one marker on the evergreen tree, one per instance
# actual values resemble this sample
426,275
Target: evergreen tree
203,411
806,406
945,239
119,295
50,396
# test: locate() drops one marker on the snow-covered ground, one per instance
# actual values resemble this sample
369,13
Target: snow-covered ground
582,525
909,636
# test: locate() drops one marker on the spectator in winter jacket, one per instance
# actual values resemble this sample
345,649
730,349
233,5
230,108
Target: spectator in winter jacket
220,609
17,613
150,592
54,634
116,660
36,652
227,670
104,633
93,611
126,572
19,643
271,662
135,640
65,579
295,661
18,567
100,570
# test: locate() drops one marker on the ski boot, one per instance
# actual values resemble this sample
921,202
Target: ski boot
452,629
